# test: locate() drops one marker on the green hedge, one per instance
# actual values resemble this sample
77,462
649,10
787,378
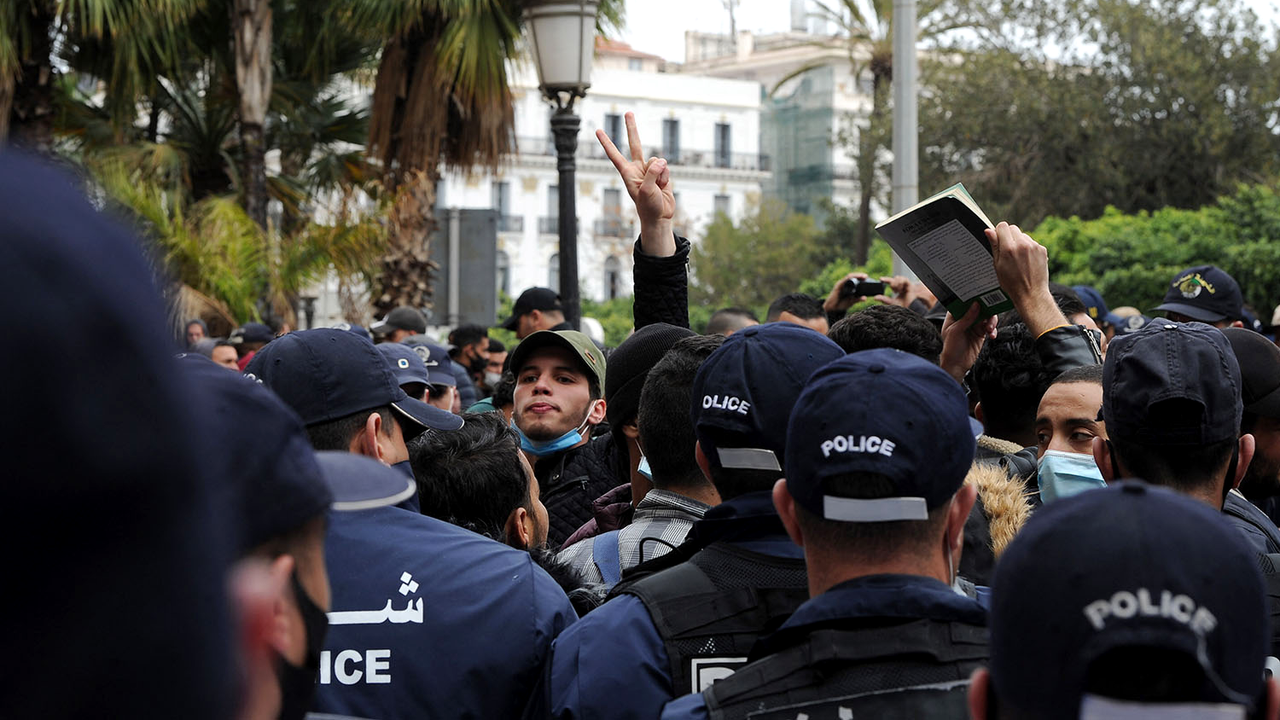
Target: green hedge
1131,259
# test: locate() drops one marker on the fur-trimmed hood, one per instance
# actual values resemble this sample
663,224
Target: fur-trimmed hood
1000,512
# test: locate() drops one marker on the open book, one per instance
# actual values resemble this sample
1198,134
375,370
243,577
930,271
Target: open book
942,241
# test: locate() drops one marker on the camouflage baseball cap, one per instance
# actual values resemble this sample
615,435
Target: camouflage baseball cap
571,340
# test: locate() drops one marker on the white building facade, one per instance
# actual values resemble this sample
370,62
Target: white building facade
708,129
811,121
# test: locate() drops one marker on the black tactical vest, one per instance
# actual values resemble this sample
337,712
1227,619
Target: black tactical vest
710,609
1270,565
912,669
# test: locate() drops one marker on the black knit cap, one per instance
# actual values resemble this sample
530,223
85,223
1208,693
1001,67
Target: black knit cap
629,365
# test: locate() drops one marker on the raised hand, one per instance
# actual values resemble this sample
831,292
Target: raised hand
836,302
1022,266
648,182
962,340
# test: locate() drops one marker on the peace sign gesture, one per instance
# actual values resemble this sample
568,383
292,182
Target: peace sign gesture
648,183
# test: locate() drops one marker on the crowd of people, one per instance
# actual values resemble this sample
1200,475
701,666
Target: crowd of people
1061,511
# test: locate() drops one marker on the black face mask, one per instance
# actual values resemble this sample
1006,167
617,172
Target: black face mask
298,684
477,365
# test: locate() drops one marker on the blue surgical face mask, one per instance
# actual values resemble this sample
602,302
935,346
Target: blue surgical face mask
643,468
543,448
1063,474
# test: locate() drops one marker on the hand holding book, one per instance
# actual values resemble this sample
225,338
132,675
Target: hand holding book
1022,266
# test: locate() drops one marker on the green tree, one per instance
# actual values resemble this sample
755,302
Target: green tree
1154,104
768,253
126,39
1131,258
217,254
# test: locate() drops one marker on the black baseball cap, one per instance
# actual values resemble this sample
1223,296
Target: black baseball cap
326,374
1205,293
257,446
406,365
357,329
1131,324
1130,565
535,298
743,393
1167,361
885,412
251,332
1094,305
1259,360
401,318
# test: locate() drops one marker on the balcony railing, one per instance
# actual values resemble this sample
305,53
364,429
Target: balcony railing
511,223
549,225
613,227
588,147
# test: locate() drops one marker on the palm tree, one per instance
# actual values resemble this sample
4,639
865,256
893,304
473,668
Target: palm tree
251,38
863,31
220,258
441,98
124,40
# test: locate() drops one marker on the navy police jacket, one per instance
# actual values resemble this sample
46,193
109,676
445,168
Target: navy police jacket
873,596
612,663
431,620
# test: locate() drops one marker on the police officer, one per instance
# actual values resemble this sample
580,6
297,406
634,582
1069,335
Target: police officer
280,491
1171,400
115,587
1259,361
424,371
1132,601
421,608
343,389
677,629
1204,293
878,446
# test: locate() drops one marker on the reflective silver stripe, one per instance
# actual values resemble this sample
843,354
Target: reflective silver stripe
1096,707
882,510
410,489
748,459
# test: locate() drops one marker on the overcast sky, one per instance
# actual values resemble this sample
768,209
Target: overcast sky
658,26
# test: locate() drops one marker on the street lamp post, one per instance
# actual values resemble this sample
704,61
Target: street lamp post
563,38
906,139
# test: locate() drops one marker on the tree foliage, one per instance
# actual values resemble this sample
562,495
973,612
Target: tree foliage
1161,103
1131,258
213,247
767,254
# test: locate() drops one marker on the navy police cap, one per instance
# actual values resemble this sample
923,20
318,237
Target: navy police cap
435,357
1168,361
1130,565
1205,293
326,374
274,480
743,393
881,412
